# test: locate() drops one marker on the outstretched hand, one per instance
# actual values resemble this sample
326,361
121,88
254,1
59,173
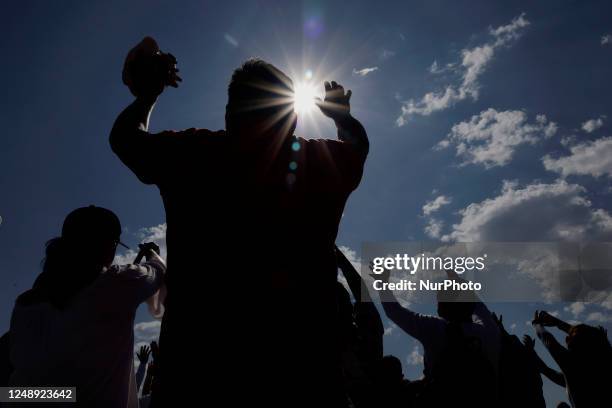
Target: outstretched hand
529,342
143,354
544,318
147,70
336,103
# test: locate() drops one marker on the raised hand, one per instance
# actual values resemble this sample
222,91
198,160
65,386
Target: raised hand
544,318
529,342
336,104
147,70
143,354
149,246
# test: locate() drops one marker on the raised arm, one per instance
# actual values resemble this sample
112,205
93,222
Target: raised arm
143,357
368,319
553,375
336,106
546,319
556,350
358,287
417,325
147,71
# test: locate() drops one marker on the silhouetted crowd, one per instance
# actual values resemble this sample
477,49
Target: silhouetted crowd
252,216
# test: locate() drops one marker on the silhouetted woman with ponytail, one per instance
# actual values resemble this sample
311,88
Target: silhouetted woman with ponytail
74,328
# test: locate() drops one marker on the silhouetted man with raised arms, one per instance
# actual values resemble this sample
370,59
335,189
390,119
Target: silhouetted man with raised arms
252,216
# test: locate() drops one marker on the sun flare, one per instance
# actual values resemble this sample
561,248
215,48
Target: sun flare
304,98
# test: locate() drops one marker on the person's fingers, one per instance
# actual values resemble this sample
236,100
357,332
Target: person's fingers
327,86
318,101
349,93
334,84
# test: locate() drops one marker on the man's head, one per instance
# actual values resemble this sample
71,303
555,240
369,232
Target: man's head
389,370
260,100
454,307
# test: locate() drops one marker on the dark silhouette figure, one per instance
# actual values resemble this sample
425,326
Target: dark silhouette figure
362,333
144,399
552,374
520,384
392,390
460,352
143,357
75,326
6,368
252,216
585,362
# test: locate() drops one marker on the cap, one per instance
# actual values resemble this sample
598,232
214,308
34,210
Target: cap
92,223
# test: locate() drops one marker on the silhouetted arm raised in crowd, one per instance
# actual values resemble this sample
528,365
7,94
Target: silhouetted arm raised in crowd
336,106
356,284
556,350
366,314
147,72
553,375
546,319
143,357
417,325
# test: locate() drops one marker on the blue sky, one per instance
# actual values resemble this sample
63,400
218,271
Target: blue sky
513,135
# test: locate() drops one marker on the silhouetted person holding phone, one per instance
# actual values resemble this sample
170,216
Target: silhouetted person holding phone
585,362
260,208
75,327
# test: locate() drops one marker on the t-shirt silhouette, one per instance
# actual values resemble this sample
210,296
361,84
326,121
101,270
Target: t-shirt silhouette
251,229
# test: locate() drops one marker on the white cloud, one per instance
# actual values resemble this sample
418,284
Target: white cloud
536,212
598,317
606,39
592,125
473,63
575,308
415,357
592,158
513,326
156,234
364,71
435,68
389,330
147,331
386,54
434,227
491,137
434,205
230,40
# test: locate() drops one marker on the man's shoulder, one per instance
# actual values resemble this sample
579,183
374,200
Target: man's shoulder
196,133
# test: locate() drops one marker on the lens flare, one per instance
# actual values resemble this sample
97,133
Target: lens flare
304,98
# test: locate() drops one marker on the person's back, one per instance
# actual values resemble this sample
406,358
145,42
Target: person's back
259,210
88,344
75,327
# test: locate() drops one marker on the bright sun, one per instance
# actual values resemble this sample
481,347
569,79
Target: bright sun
304,98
